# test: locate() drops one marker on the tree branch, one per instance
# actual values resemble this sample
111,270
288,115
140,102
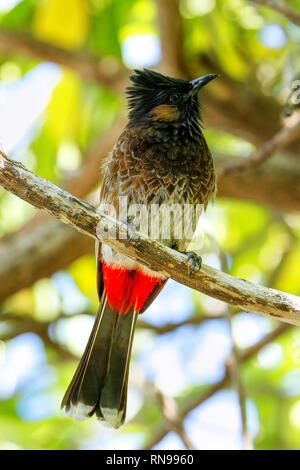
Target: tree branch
251,116
171,37
47,248
274,184
280,8
81,182
44,245
234,366
107,73
170,413
42,194
20,323
89,173
233,362
40,249
284,137
160,330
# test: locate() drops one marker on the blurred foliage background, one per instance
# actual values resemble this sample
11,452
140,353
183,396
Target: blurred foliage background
203,375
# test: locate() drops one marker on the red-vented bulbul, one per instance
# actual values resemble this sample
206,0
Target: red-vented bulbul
161,160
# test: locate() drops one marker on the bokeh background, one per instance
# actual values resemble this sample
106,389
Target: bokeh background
203,375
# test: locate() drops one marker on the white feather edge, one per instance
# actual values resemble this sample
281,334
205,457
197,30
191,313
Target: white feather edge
111,417
118,260
79,412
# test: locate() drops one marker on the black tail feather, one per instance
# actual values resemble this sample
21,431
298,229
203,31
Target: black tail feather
100,382
112,404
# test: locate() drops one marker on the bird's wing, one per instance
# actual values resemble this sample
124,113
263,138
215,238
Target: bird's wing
98,244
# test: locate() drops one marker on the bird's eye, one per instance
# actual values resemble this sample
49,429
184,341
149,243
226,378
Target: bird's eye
174,98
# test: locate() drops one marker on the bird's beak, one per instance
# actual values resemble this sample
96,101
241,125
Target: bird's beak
200,82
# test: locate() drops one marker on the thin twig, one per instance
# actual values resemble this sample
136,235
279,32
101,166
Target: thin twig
234,360
284,137
235,372
280,8
20,323
169,410
160,330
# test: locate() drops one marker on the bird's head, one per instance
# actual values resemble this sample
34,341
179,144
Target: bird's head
156,97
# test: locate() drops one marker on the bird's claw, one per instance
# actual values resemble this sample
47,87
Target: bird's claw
131,228
196,261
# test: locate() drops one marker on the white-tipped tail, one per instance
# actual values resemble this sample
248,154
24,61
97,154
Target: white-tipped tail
79,412
112,417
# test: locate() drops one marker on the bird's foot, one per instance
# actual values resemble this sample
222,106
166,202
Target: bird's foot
194,260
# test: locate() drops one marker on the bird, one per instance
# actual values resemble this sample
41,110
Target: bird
161,160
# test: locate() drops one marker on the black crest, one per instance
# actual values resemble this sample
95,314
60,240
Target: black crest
150,89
